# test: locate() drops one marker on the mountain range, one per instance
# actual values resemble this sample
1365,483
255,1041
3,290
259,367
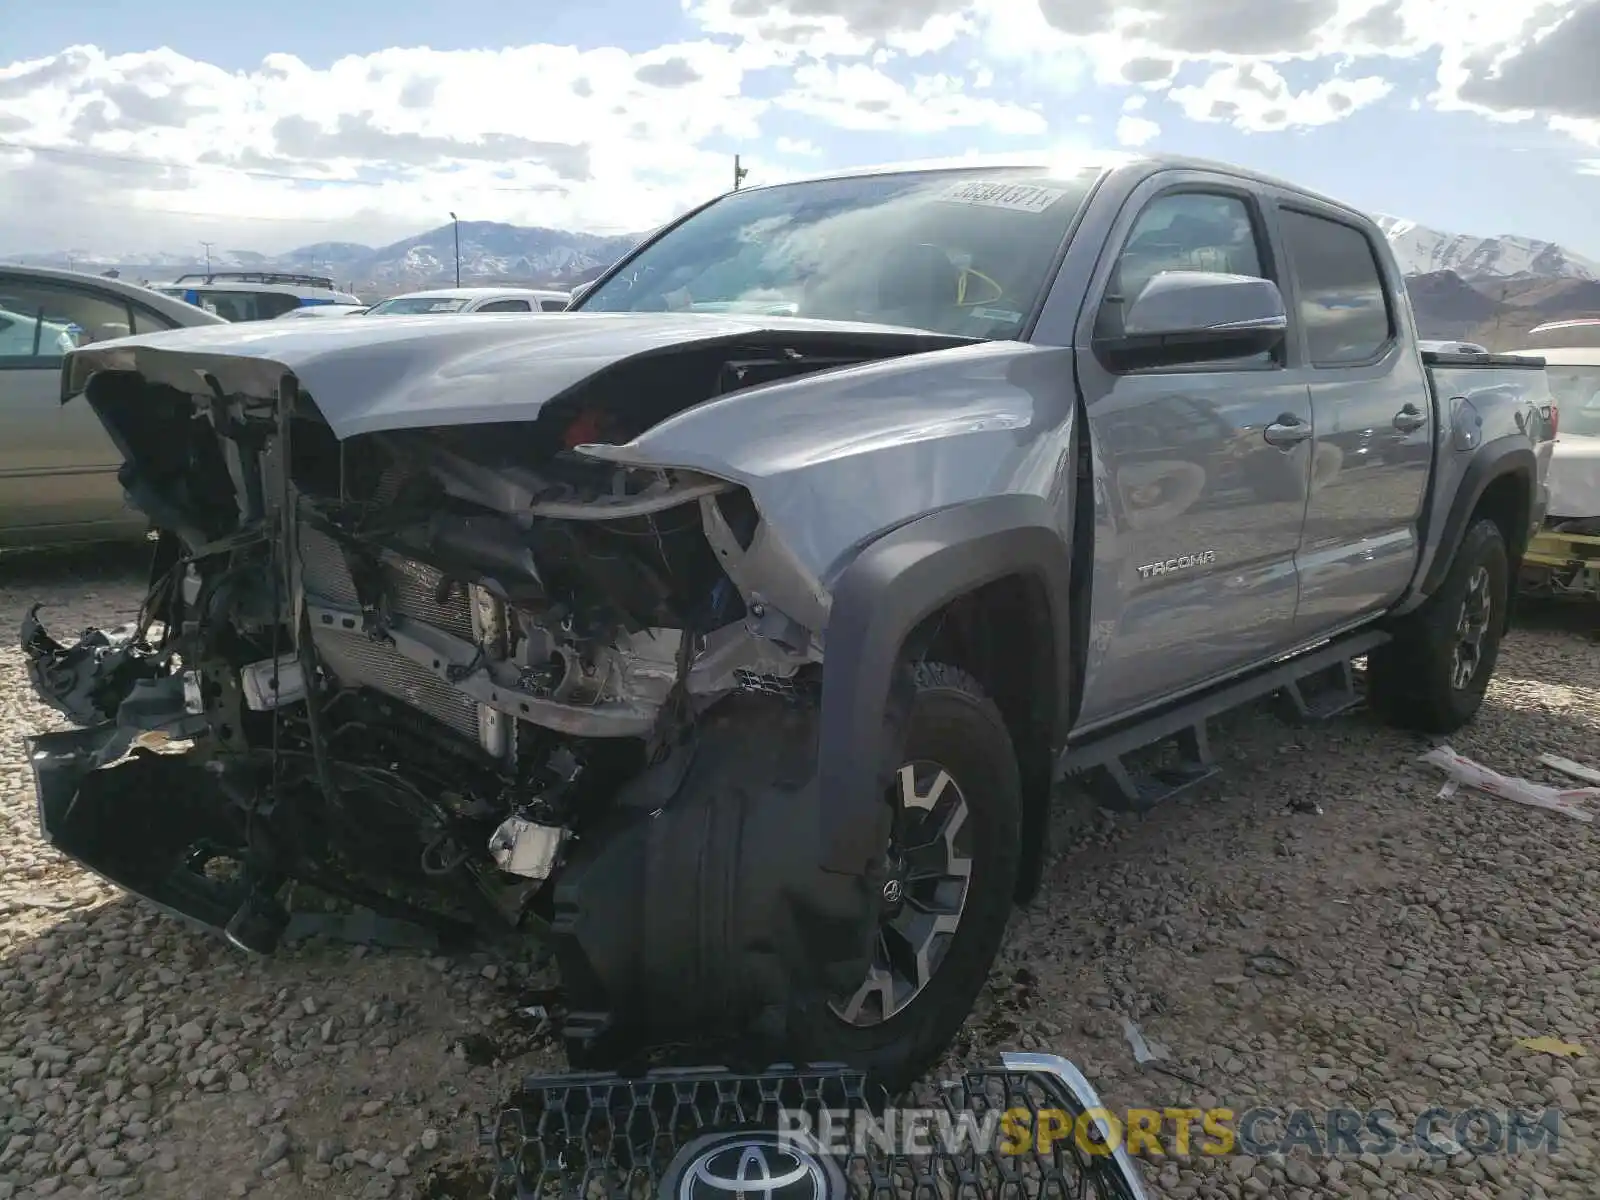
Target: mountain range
1484,289
491,253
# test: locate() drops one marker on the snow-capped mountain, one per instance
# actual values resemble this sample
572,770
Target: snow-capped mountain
100,259
490,253
1422,251
1484,289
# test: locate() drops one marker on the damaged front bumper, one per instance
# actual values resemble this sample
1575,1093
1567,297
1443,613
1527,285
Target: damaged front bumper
466,677
137,823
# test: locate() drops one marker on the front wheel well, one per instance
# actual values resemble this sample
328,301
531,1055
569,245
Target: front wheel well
1003,635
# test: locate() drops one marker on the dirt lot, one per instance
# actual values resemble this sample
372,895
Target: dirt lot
1322,929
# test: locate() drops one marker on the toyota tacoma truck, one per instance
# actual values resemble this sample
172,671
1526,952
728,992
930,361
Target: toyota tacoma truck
731,631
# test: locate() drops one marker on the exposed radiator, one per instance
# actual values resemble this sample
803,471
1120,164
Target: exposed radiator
323,568
357,661
414,592
413,587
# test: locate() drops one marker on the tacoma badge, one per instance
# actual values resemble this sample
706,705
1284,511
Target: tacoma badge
1182,562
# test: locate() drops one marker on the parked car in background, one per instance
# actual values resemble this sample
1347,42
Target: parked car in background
1564,558
1572,334
320,311
472,300
58,468
256,295
1446,347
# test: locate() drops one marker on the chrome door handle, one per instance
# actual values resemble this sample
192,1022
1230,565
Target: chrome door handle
1410,419
1287,430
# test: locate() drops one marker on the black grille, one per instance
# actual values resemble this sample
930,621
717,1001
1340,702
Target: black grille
601,1136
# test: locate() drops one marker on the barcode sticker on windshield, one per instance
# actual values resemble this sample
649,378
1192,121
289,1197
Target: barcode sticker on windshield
1004,315
1019,197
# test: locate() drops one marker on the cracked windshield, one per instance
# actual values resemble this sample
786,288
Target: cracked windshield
800,600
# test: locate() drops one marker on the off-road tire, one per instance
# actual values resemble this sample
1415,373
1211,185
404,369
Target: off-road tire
1409,680
954,724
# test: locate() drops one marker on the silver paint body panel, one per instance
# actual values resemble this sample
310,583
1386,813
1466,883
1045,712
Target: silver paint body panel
1294,545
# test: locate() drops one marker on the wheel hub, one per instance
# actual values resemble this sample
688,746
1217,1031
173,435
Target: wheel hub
928,872
1471,627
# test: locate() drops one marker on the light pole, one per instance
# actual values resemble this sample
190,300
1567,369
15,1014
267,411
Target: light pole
739,173
456,221
208,246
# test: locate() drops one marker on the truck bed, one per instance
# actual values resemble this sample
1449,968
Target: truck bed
1495,377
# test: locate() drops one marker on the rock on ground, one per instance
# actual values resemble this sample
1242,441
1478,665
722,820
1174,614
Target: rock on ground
1387,951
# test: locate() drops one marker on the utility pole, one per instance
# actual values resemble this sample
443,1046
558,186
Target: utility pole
456,221
738,173
208,246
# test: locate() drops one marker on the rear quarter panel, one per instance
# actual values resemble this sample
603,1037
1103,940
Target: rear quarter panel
1488,408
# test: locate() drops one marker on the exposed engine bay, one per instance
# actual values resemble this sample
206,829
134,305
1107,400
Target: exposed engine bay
453,674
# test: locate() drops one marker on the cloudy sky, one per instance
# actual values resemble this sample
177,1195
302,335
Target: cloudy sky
154,125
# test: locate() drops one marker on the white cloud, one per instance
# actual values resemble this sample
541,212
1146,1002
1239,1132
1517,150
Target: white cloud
1257,98
1587,132
1502,61
858,97
1521,64
797,147
794,29
1136,131
137,149
600,140
143,148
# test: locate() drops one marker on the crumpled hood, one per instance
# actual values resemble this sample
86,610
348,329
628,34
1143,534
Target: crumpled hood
367,376
1575,476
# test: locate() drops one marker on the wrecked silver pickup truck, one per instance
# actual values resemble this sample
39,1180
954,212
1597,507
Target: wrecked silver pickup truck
730,631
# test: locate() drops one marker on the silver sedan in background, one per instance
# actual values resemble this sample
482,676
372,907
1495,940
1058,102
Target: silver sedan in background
58,468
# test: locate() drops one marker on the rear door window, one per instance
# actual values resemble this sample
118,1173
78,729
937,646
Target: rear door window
275,304
1343,303
230,306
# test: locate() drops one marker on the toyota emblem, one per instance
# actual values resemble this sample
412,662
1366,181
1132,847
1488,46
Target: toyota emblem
751,1165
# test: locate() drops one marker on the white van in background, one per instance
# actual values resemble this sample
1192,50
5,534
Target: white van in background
472,300
255,295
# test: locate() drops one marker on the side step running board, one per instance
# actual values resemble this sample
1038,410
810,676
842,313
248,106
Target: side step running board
1323,694
1318,685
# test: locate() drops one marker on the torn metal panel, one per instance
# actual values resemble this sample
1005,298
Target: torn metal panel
417,372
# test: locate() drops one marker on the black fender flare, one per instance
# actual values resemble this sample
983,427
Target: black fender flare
880,598
1510,455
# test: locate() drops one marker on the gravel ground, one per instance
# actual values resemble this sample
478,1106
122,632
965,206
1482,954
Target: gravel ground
1319,929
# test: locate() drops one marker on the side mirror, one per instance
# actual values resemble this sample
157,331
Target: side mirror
1184,317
